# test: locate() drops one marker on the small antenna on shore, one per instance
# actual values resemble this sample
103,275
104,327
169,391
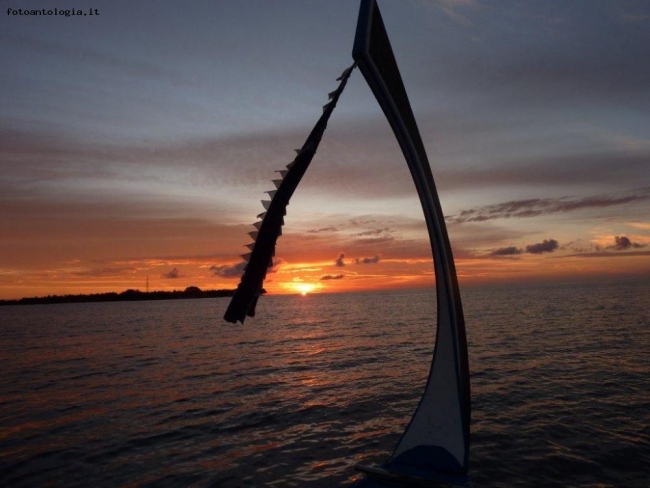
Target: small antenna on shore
147,283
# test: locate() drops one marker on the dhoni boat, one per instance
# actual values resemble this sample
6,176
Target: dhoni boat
434,448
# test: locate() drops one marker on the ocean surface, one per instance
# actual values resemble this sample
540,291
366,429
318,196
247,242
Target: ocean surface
165,394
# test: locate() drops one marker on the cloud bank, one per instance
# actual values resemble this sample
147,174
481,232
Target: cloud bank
543,206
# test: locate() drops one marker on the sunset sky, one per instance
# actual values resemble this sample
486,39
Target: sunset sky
140,141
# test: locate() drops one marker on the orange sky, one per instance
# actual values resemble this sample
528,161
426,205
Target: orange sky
324,261
143,151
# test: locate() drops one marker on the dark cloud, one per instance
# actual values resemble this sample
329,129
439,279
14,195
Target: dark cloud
174,273
547,245
544,206
506,251
622,243
339,261
372,260
332,277
228,271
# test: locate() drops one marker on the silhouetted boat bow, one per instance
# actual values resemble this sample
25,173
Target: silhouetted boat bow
434,447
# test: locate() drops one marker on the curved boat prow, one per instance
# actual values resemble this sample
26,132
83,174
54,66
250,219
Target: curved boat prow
269,227
434,448
435,444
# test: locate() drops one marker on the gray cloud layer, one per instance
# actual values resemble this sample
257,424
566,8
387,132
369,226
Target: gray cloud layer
544,206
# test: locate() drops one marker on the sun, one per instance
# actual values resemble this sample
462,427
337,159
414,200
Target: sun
304,288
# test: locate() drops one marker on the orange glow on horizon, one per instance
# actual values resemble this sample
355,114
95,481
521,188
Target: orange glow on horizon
293,287
304,276
305,288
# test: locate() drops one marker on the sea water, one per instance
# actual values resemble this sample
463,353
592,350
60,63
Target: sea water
164,393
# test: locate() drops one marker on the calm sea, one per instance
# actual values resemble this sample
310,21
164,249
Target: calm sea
161,394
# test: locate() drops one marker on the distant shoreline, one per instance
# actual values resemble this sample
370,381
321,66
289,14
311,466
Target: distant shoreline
125,296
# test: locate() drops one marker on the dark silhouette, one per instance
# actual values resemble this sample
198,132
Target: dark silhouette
270,227
129,295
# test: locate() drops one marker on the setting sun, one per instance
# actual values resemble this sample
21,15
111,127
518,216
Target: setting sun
304,288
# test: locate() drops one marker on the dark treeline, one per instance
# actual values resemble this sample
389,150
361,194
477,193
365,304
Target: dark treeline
125,296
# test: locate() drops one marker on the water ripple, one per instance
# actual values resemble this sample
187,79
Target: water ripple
163,394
